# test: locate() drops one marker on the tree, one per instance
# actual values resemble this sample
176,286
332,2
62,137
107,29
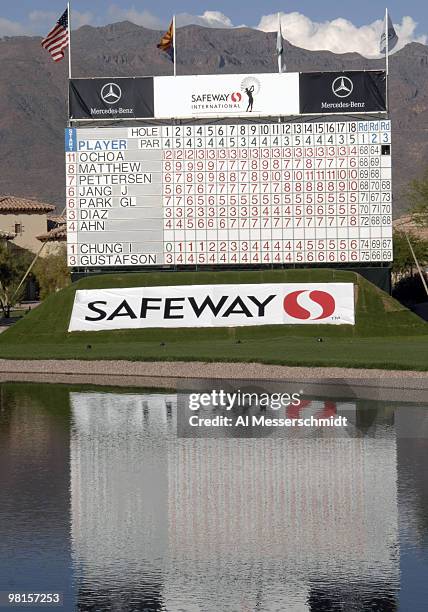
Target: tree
409,290
417,194
14,262
403,259
52,272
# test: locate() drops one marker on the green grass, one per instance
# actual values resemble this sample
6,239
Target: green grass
386,334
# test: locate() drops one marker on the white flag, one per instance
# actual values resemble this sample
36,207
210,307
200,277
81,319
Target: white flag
279,47
392,37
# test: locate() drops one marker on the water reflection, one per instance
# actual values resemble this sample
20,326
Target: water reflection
137,519
34,489
119,499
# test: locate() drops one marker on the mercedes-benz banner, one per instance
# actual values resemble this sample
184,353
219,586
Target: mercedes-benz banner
343,92
213,306
119,98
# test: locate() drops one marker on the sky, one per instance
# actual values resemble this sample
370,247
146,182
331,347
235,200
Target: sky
339,26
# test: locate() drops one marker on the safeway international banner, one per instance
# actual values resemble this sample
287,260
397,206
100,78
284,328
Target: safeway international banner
213,306
228,94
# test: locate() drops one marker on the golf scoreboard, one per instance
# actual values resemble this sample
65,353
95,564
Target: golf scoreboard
222,194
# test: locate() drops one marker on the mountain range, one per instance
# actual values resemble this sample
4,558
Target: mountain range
33,107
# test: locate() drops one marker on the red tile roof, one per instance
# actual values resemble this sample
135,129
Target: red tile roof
6,235
58,219
12,204
407,223
58,234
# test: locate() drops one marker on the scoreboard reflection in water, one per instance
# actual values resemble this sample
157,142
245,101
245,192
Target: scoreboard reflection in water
264,193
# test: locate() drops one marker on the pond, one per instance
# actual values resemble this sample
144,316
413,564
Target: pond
102,501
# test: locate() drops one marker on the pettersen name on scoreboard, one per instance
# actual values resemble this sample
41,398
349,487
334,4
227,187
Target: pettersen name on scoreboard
116,179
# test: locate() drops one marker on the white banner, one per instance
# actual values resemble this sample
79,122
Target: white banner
223,95
213,306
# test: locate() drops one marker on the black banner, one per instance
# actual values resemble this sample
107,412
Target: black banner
120,98
343,92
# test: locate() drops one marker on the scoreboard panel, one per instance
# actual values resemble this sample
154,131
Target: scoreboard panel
250,193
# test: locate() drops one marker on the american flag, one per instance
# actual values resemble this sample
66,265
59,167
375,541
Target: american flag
57,39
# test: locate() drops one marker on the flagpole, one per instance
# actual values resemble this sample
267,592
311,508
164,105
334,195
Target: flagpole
174,46
386,56
69,62
386,42
417,263
279,54
69,39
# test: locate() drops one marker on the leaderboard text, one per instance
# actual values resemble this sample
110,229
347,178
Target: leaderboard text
262,193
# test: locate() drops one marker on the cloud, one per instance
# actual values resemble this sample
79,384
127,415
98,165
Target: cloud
46,19
142,18
81,19
209,19
40,22
338,35
11,28
42,16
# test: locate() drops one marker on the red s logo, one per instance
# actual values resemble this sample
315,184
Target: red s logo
236,96
305,306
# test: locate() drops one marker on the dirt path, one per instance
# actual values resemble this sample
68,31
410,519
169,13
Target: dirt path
164,374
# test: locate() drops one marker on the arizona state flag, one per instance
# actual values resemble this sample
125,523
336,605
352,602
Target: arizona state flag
167,42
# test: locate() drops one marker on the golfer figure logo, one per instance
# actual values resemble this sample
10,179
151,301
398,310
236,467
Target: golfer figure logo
251,86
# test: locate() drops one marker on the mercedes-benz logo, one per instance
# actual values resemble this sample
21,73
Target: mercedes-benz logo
111,93
342,87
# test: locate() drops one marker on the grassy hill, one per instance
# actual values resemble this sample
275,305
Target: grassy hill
386,334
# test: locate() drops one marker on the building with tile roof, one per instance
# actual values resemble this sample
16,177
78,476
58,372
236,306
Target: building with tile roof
55,237
57,234
24,219
407,224
6,236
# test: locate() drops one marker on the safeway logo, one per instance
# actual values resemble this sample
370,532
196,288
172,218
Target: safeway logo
236,96
309,305
226,305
